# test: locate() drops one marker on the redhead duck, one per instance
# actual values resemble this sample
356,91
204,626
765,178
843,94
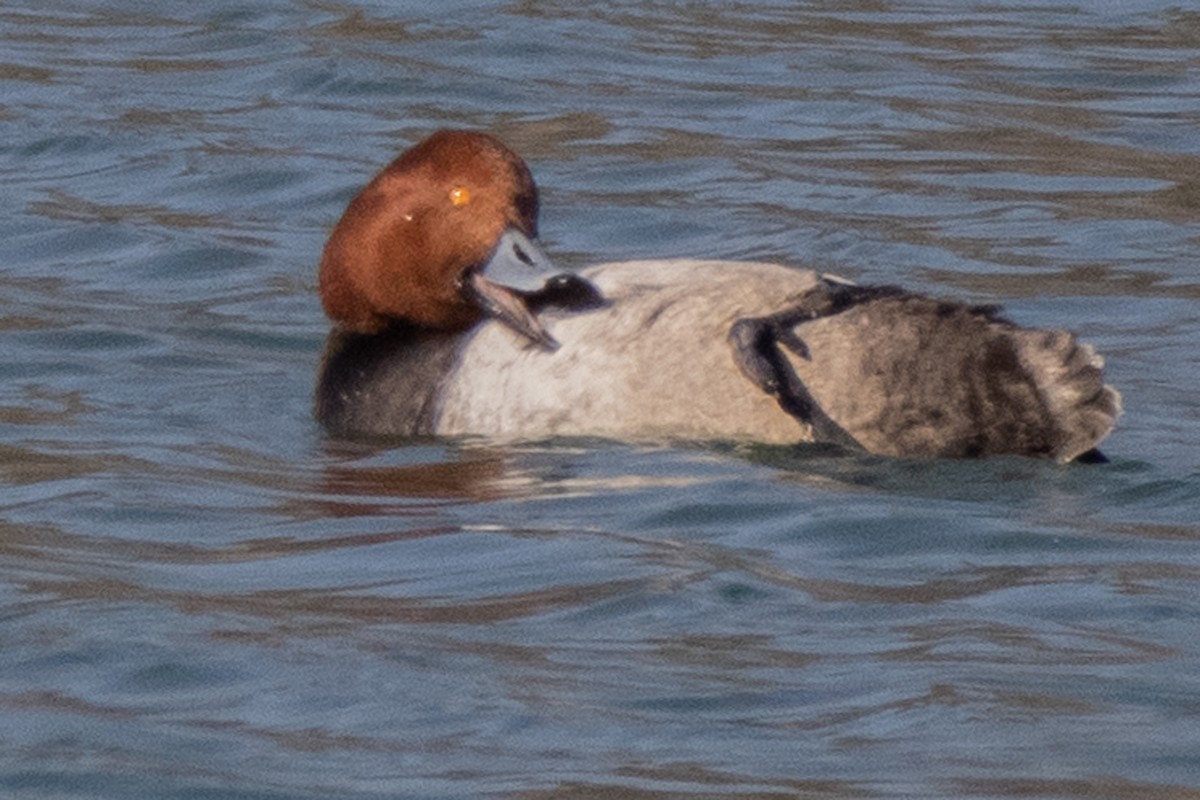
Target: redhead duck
449,320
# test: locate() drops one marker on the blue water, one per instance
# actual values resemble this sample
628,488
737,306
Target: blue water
204,596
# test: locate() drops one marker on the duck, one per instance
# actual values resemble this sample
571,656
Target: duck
449,320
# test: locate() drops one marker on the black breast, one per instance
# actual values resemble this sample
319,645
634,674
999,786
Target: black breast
384,383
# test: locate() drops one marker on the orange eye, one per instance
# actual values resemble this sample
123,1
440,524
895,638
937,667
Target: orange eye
460,196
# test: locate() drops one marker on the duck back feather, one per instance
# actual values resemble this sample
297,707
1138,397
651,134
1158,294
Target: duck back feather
908,375
708,350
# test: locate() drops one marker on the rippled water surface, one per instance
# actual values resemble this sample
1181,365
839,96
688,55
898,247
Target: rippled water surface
204,596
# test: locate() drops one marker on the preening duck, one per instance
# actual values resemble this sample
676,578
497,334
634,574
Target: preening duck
449,320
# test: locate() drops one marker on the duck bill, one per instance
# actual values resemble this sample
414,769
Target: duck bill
503,287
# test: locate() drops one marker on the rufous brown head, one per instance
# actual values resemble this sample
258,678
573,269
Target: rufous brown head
439,239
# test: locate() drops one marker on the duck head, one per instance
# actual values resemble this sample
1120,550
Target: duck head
442,238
